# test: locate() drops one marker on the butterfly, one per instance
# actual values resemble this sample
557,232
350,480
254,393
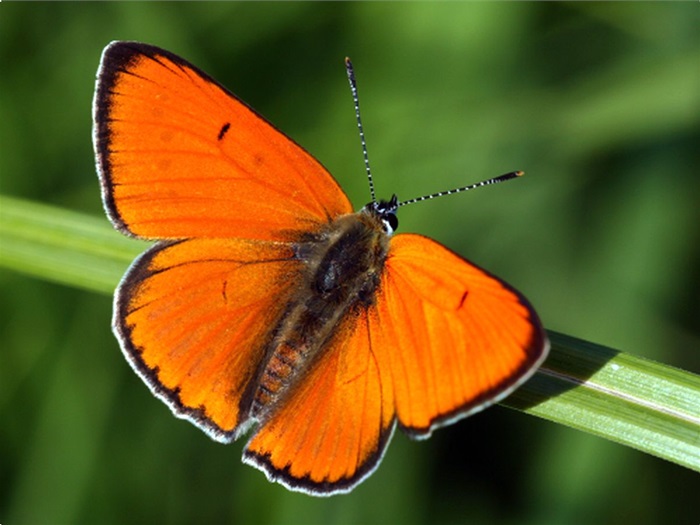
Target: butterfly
267,305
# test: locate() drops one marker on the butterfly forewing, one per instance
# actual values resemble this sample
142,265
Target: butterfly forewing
455,338
179,156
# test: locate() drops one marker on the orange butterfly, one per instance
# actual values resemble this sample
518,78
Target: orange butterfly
267,302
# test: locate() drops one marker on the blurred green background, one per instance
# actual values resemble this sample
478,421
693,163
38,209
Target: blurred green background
598,103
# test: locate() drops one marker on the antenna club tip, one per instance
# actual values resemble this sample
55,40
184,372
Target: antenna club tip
349,70
519,173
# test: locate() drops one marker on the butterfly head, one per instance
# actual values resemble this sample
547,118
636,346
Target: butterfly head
385,212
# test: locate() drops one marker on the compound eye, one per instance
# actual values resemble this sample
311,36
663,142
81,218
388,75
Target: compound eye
391,222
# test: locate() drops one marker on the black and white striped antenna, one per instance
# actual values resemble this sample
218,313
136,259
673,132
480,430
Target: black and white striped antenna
494,180
356,100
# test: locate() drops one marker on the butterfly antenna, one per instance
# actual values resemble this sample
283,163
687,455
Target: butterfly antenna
356,101
495,180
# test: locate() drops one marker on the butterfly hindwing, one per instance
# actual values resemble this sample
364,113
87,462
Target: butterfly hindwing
331,431
193,317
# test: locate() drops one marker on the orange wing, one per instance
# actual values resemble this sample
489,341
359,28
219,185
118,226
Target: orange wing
332,430
455,338
443,340
193,317
179,156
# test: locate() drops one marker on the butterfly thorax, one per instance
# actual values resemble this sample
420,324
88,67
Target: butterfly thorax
342,265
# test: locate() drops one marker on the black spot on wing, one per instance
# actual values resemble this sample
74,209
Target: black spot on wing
224,129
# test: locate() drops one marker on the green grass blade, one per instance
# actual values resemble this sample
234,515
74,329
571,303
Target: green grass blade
633,401
63,246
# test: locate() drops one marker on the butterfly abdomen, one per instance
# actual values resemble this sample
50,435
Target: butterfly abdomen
343,265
